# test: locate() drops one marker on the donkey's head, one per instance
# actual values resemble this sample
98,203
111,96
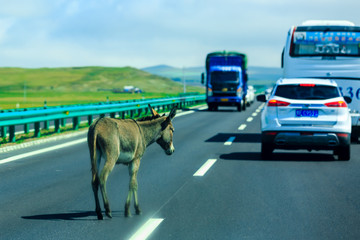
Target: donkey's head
166,136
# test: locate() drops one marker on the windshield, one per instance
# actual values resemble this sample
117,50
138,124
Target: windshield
307,92
326,41
228,76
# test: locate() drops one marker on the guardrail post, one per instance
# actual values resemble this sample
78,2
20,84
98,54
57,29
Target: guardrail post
12,133
90,119
26,128
37,130
57,125
3,132
63,122
76,121
46,125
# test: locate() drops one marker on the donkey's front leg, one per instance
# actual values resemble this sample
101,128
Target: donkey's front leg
133,186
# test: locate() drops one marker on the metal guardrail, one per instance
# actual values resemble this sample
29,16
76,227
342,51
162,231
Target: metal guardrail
10,119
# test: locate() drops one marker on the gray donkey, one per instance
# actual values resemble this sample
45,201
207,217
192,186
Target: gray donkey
124,141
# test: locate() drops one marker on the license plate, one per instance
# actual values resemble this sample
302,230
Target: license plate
224,99
314,113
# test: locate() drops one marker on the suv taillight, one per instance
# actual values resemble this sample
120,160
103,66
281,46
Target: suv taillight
277,103
336,104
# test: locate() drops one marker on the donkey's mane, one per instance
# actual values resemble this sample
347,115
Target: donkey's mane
147,118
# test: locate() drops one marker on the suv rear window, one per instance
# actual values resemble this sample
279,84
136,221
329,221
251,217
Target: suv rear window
307,92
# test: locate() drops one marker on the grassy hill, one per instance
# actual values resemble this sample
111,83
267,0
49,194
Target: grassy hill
20,87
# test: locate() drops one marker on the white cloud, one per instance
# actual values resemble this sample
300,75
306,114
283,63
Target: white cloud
148,32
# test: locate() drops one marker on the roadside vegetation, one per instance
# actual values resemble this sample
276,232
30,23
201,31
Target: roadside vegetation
24,88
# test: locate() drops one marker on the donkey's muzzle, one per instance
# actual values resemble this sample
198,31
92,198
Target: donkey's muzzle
170,150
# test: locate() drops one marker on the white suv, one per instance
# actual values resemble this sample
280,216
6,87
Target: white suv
304,113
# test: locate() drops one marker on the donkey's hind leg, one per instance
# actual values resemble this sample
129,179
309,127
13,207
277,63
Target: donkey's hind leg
108,167
95,187
95,183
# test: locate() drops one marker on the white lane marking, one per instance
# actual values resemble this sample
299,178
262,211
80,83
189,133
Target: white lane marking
146,229
190,111
229,141
254,114
203,108
184,113
204,168
249,119
24,155
242,127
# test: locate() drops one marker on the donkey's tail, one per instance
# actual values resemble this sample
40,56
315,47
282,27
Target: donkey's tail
91,138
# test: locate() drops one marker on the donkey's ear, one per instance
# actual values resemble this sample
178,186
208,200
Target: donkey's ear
153,112
172,113
169,118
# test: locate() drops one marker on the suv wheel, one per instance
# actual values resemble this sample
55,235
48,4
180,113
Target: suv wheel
344,153
266,151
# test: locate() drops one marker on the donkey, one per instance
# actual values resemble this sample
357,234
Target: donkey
124,141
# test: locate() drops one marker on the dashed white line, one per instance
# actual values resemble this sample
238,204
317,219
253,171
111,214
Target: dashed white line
204,168
254,114
242,127
229,141
146,229
249,119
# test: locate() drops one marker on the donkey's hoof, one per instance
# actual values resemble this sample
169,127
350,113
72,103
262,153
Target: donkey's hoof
108,214
138,211
99,214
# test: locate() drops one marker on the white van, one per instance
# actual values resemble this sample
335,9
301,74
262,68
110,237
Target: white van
330,50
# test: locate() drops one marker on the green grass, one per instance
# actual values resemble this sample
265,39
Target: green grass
20,87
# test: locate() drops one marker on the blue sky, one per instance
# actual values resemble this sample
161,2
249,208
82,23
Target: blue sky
143,33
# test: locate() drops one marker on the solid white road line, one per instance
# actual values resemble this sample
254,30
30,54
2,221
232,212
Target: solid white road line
242,127
17,157
204,168
146,229
229,141
203,108
184,113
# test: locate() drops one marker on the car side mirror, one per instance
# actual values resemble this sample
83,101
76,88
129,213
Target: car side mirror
347,99
261,98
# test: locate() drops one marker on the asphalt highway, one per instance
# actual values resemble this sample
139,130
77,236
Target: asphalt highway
215,186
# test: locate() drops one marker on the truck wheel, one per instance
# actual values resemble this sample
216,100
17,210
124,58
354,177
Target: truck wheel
212,107
344,153
239,107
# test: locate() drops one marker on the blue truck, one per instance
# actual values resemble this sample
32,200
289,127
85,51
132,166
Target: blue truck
226,80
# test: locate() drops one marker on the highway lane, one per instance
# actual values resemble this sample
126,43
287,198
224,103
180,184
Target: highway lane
298,195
